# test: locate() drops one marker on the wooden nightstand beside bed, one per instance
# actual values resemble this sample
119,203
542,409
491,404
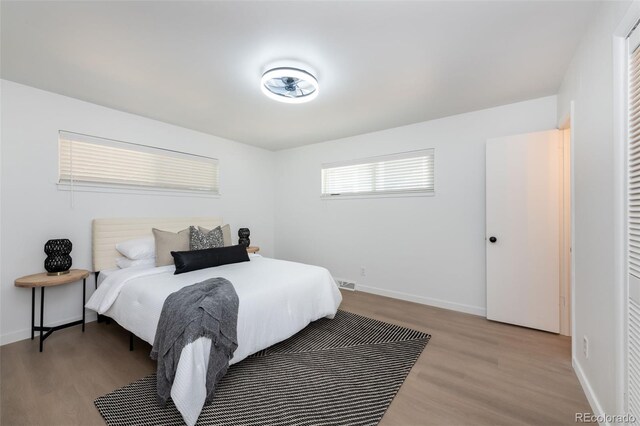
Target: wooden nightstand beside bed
43,280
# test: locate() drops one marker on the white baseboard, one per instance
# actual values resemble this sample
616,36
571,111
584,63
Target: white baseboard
588,390
468,309
24,334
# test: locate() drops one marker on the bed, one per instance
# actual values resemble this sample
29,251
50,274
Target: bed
277,299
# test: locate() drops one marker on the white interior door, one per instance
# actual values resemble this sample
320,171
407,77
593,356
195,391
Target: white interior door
524,177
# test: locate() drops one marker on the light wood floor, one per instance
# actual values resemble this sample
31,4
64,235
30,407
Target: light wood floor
472,372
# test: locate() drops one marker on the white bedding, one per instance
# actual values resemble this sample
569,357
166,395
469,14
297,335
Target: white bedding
277,299
104,274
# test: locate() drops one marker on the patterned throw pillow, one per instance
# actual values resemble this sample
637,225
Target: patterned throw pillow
199,240
226,234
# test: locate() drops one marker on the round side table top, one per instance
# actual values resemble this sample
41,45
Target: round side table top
44,280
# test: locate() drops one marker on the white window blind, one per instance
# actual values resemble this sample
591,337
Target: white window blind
408,172
96,161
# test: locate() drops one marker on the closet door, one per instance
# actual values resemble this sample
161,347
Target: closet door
633,226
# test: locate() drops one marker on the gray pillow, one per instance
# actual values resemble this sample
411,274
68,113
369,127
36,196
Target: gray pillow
226,234
166,242
199,240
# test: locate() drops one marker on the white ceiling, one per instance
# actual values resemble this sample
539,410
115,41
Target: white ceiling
379,64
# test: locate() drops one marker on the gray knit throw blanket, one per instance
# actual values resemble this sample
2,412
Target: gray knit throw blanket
206,309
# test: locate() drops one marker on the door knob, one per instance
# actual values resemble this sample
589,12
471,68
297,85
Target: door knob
493,239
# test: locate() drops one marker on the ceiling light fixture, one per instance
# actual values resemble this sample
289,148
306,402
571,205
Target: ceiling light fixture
289,85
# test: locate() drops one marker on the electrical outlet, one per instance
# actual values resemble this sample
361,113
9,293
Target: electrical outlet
585,346
363,272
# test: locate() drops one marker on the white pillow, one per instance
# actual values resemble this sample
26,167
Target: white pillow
123,262
140,248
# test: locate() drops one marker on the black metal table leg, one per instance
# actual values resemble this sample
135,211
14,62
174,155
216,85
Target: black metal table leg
33,311
41,315
84,291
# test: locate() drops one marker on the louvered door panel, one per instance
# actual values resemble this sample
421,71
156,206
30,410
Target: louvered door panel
634,359
633,226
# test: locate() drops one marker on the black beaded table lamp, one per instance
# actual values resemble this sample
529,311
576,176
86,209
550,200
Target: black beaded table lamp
243,234
58,261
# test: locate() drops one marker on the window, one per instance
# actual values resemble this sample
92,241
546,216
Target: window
408,172
92,161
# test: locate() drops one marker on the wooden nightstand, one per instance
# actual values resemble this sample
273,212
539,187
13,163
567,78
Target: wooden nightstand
253,249
43,280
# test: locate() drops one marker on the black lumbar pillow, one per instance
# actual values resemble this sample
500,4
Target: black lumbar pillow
187,261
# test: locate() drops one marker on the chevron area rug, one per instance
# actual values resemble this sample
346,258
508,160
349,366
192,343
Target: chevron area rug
344,371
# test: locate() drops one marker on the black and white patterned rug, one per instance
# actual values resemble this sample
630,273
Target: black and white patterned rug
344,371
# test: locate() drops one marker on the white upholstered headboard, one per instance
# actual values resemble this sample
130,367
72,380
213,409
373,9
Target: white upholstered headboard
108,232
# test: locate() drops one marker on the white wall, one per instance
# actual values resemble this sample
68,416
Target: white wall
426,249
589,83
34,210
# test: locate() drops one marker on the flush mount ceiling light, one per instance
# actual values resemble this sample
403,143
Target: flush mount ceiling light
290,85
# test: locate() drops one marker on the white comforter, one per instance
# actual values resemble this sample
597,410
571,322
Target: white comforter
277,299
